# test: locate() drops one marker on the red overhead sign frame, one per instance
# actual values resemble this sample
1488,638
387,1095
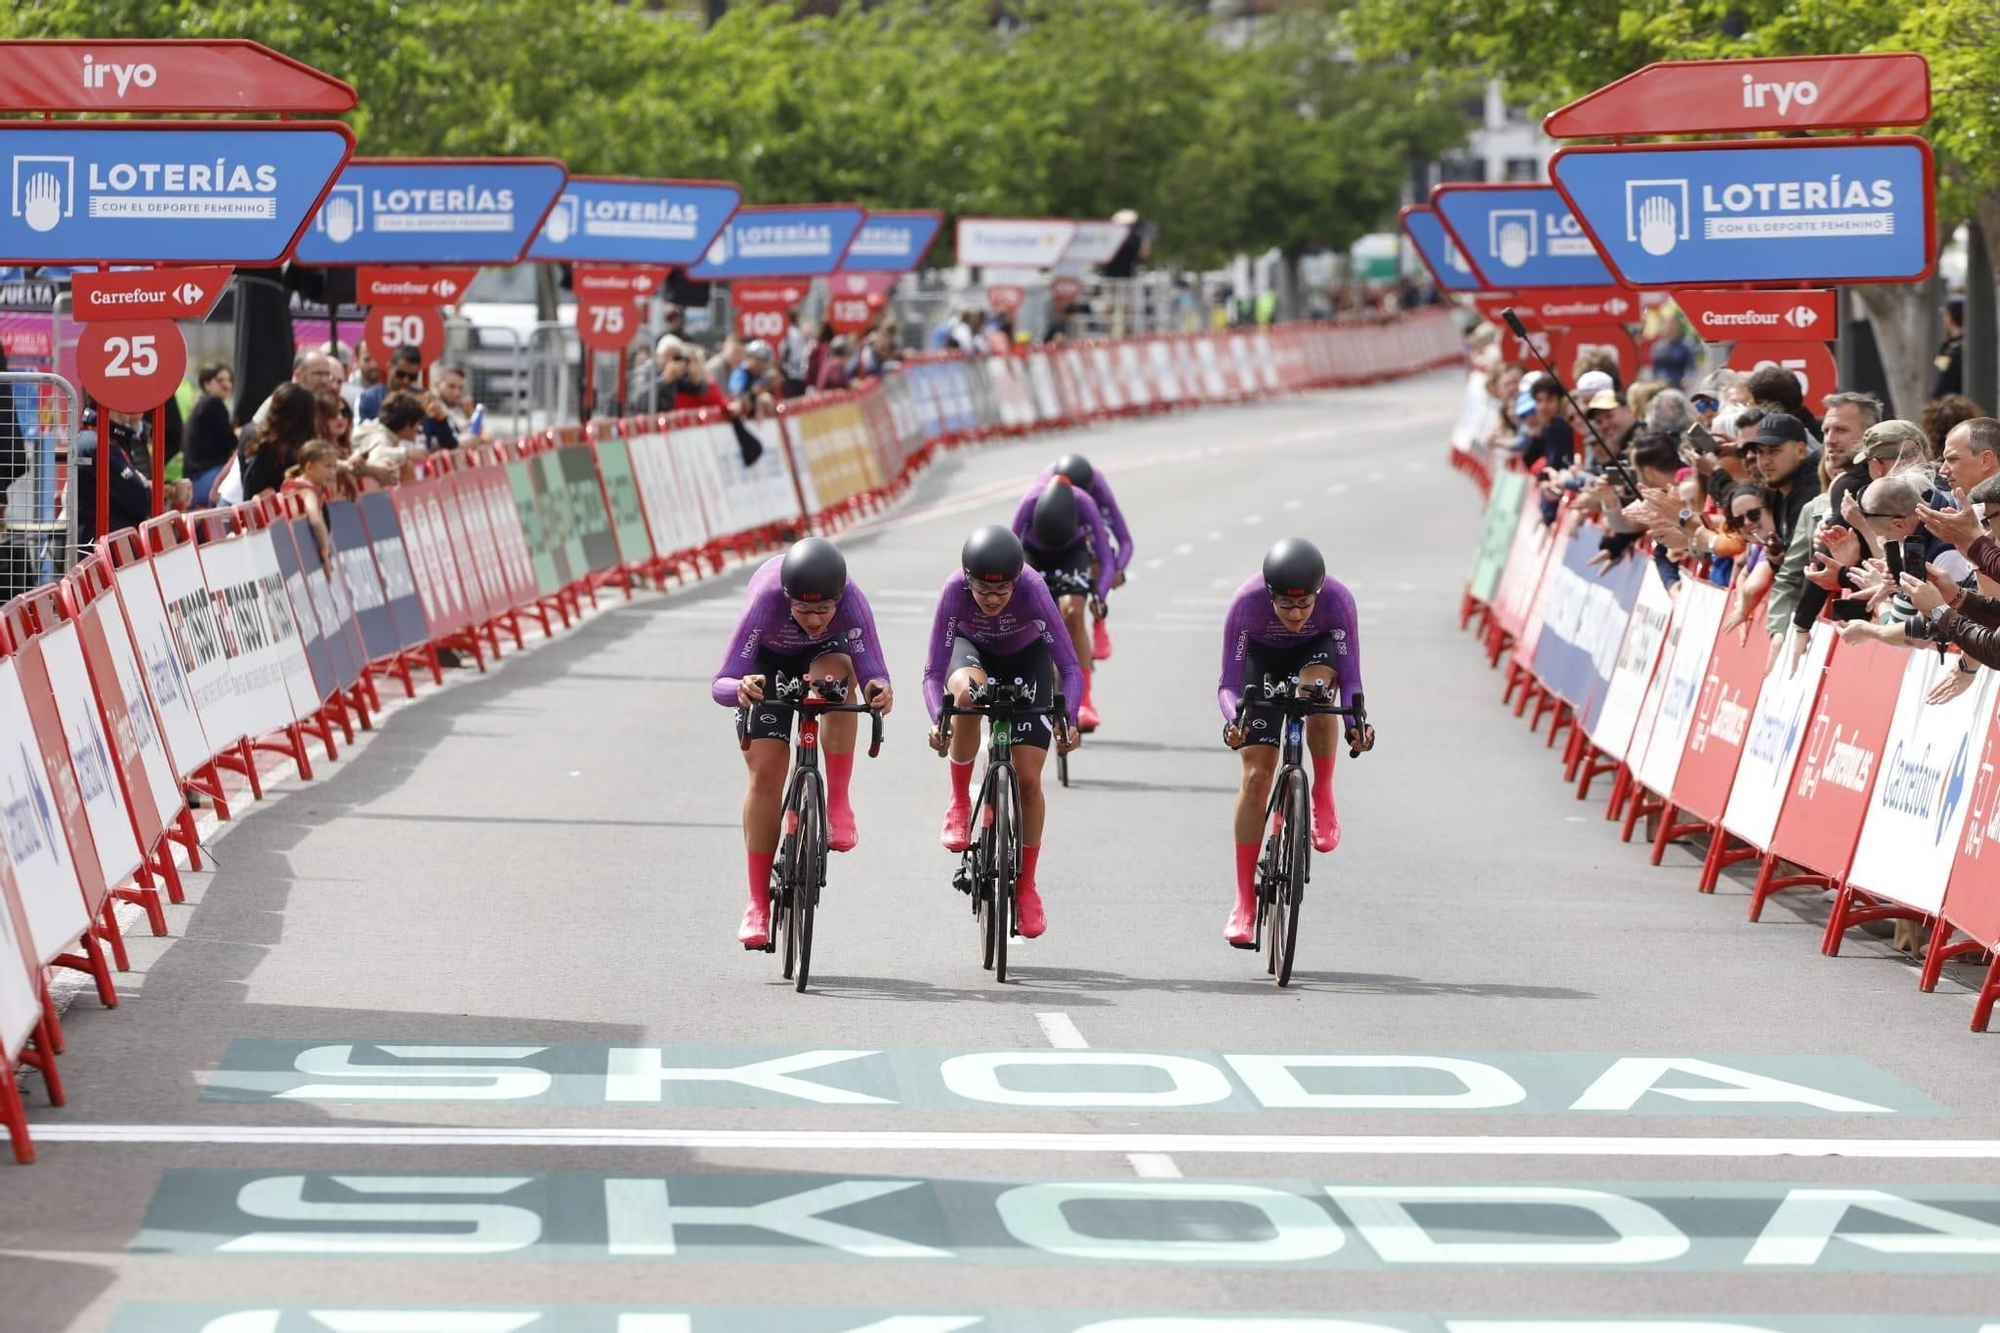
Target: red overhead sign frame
165,293
1858,92
1736,315
164,74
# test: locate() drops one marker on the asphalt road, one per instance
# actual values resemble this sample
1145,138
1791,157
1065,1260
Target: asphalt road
440,1034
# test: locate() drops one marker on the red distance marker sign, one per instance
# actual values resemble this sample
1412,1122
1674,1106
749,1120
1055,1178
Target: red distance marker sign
1572,343
1811,362
1740,316
606,323
163,75
1005,298
763,309
393,326
131,366
390,284
858,299
1727,96
167,293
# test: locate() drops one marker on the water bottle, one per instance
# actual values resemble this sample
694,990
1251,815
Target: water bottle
476,425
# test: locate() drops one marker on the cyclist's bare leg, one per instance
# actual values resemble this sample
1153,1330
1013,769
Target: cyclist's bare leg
836,743
1076,619
1028,763
763,806
1260,766
956,834
1322,740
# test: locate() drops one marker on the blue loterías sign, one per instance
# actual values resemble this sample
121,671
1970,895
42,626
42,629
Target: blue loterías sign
603,220
432,211
782,241
1519,236
1441,255
891,242
1767,210
110,193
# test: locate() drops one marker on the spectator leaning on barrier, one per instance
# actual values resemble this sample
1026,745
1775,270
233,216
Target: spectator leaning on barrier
367,373
1971,453
288,427
833,366
131,492
755,386
312,370
1774,384
878,353
1967,532
1791,477
448,382
406,370
209,441
387,444
795,355
1669,411
684,381
726,359
1941,415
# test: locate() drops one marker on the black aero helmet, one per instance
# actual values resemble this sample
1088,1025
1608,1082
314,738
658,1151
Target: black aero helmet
1294,568
814,571
1077,468
993,553
1054,525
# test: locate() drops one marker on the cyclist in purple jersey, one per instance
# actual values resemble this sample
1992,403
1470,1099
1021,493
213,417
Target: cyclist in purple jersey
1087,478
996,618
1291,620
1064,536
801,617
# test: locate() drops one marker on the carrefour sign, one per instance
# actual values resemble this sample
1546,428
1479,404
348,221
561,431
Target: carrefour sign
116,192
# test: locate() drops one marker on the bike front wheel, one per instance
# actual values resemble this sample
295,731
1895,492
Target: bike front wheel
1006,868
810,874
1290,883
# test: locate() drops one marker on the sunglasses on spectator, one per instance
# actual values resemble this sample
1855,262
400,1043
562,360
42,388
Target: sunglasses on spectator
1704,402
399,373
1881,518
1750,515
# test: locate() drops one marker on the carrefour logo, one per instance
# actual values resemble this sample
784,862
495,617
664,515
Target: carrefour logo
29,817
1915,787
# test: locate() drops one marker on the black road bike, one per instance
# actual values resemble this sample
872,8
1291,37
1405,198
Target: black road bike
1285,865
798,872
1065,583
990,868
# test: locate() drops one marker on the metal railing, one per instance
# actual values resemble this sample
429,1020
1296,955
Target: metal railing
39,418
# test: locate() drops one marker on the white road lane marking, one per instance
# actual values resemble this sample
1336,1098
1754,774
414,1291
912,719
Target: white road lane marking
1185,548
975,1141
1064,1035
1061,1032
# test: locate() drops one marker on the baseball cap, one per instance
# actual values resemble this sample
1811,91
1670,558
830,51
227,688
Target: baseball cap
1779,428
1524,403
758,348
1887,439
1603,400
1593,382
668,343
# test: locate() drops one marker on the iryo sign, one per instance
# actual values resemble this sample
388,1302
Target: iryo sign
1853,92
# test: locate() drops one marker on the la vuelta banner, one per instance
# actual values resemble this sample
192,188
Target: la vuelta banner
1699,614
1972,899
1615,710
1909,838
1778,727
1722,717
1822,814
1584,613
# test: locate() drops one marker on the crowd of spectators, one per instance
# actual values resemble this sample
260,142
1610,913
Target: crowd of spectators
1805,511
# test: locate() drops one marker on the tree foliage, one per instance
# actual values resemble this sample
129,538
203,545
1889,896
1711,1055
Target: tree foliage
1086,107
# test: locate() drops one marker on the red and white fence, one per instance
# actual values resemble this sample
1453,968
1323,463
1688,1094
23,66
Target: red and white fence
1831,773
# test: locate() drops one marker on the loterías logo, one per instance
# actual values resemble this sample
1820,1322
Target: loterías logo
43,190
